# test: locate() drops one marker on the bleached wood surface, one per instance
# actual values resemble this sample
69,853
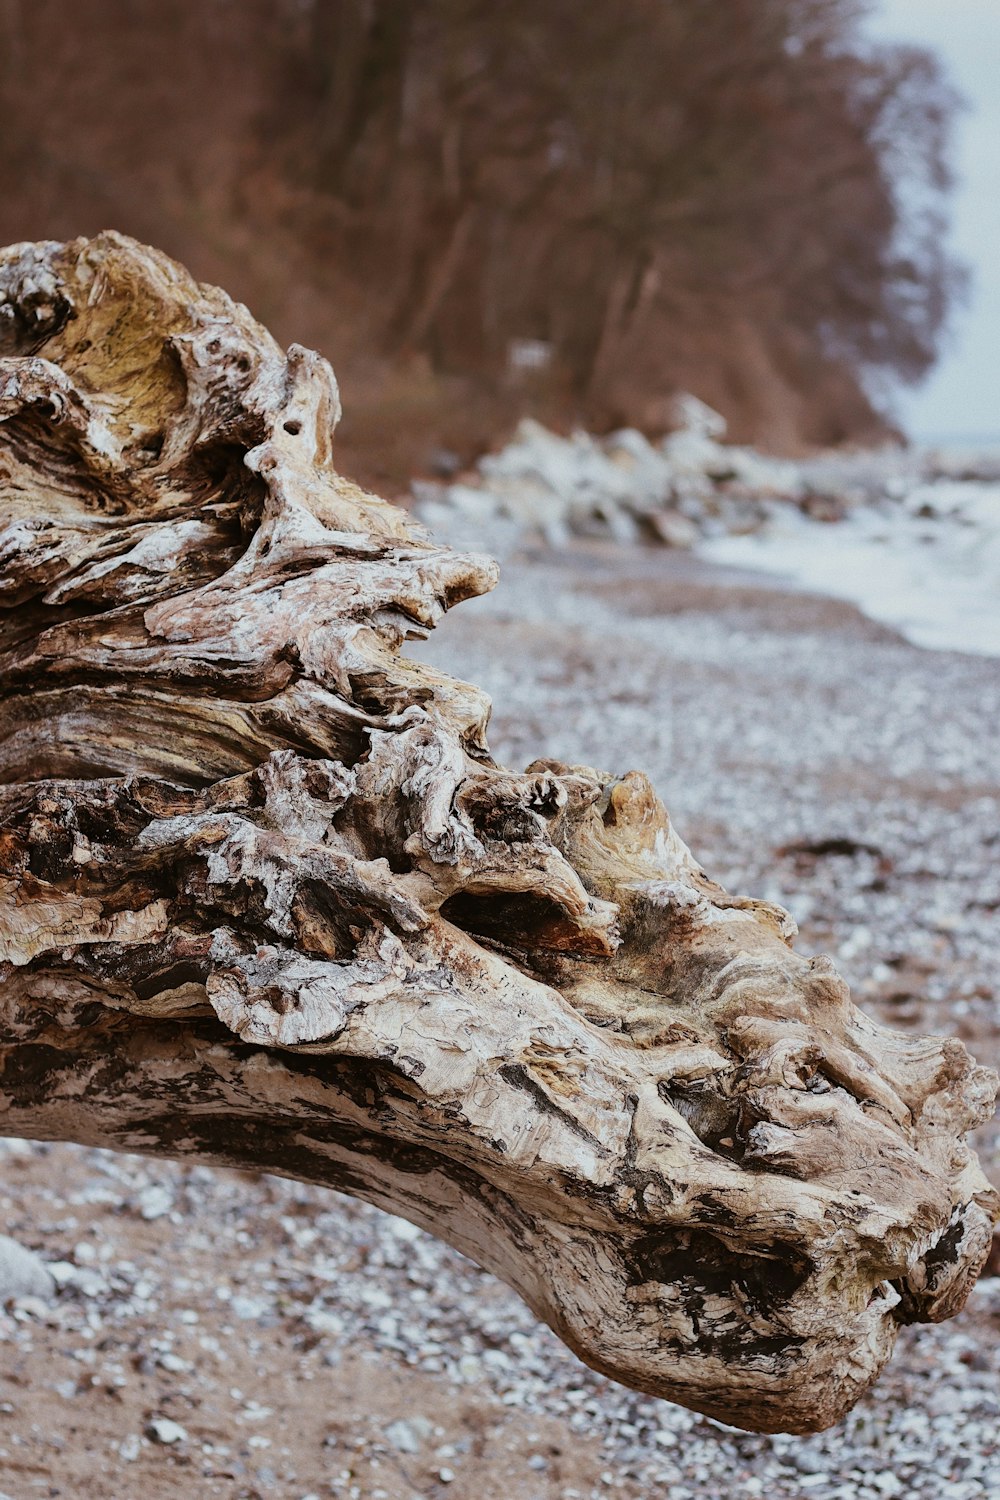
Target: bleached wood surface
266,899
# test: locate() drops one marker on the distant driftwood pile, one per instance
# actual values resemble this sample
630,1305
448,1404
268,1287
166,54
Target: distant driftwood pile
689,486
266,899
625,487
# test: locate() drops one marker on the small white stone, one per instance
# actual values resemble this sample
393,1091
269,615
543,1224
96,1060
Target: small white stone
163,1430
254,1412
155,1201
23,1308
402,1229
129,1448
173,1363
23,1273
407,1436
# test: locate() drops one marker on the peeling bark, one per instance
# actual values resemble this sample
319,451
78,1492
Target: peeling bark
266,899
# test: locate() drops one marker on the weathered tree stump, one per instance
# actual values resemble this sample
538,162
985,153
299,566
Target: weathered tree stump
266,899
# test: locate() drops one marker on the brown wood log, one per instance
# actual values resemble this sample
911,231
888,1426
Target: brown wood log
266,899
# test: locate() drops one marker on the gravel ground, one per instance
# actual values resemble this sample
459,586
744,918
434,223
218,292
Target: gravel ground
218,1334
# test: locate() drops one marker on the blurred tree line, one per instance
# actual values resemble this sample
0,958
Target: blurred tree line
570,171
743,197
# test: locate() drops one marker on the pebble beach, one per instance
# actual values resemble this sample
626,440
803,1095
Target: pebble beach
211,1333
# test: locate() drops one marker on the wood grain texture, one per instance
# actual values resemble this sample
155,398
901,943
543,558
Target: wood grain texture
266,899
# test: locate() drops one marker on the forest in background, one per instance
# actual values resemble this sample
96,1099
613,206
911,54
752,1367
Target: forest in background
476,210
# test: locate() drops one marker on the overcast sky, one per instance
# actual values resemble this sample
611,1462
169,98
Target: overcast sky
961,397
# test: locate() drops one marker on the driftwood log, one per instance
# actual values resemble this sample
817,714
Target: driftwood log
266,899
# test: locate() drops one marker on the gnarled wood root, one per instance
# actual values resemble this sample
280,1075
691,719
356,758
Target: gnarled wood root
265,897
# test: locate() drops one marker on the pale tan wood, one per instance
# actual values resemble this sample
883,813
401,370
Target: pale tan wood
265,897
